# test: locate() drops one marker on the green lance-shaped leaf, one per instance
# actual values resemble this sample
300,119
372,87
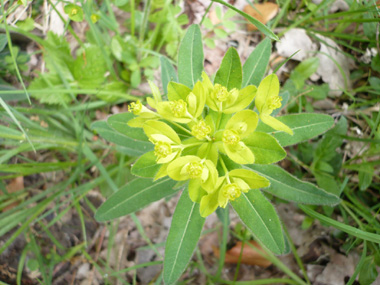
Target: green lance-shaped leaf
262,28
288,187
256,64
304,127
265,148
146,166
177,91
230,72
258,214
135,195
119,123
190,57
168,73
131,146
183,236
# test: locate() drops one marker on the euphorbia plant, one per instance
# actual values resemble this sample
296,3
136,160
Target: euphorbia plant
205,139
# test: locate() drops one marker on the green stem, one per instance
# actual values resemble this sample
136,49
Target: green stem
239,260
296,256
182,128
223,245
12,53
277,262
188,145
224,167
218,120
132,2
206,12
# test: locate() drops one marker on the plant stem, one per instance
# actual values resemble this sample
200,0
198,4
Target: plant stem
206,12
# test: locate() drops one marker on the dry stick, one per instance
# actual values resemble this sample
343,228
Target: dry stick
101,239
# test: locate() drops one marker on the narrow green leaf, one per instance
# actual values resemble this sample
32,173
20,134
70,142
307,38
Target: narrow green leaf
8,110
365,176
368,272
183,237
230,72
119,123
146,166
177,91
288,187
3,41
327,182
190,57
168,73
340,226
134,196
34,167
256,64
133,146
258,214
262,28
265,148
304,127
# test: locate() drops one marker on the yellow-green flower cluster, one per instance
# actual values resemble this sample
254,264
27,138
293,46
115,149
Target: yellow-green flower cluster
196,129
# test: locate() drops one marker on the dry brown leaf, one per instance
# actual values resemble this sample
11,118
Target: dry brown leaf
263,12
213,17
250,256
16,184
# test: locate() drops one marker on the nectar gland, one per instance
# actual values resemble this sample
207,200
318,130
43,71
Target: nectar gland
135,108
231,137
274,102
74,11
162,149
220,93
231,191
178,108
200,130
194,169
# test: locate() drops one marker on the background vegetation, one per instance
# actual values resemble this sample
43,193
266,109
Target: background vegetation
56,170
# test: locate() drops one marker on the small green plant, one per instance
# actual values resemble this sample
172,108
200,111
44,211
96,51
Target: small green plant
218,29
206,141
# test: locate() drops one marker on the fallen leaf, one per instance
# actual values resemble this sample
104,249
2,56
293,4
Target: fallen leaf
250,256
16,184
213,17
263,12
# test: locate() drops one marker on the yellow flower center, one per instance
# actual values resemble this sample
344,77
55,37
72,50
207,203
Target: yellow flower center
231,191
231,137
200,130
162,149
220,93
274,102
194,169
135,107
178,108
94,18
74,11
